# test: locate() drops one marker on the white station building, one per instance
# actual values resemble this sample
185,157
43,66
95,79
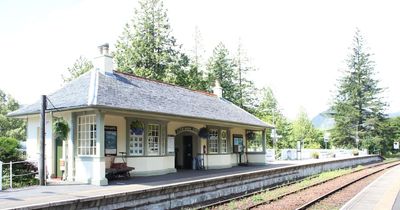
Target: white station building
152,126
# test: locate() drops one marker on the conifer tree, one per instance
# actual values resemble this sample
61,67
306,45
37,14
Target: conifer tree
358,108
246,91
196,79
147,47
221,67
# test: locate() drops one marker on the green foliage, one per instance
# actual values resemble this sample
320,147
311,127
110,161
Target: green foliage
9,149
390,133
81,66
221,67
60,128
267,109
303,129
358,107
147,48
246,97
196,79
10,127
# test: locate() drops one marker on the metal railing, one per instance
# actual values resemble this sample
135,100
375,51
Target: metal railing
9,177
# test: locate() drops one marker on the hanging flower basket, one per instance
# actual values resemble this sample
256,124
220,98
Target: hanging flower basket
250,135
61,128
203,132
137,128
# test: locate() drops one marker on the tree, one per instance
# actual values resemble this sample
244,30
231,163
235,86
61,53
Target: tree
80,66
390,133
9,127
245,87
303,130
221,67
267,109
147,48
196,79
358,107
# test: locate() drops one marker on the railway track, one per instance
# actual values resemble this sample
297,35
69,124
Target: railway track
308,204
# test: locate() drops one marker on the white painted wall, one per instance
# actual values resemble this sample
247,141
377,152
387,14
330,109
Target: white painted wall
84,169
291,154
33,140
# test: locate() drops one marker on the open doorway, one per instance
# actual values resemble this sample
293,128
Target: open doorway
187,152
186,148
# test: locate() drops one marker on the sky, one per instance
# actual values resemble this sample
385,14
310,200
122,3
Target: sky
299,48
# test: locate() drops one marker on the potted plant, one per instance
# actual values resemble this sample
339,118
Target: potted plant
203,132
250,135
137,128
61,128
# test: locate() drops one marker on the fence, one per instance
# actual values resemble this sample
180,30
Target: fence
17,175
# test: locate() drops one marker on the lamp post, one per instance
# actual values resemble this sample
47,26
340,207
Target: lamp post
326,139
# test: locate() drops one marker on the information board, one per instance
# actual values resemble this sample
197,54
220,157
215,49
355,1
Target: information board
110,140
237,139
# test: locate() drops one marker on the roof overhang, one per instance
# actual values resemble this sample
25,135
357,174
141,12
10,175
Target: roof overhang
150,115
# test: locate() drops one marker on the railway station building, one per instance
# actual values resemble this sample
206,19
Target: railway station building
154,127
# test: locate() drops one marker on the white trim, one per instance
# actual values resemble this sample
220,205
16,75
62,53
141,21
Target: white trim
93,88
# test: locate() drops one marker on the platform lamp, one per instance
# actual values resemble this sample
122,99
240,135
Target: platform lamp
326,139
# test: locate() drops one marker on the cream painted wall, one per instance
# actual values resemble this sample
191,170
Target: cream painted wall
173,125
257,159
120,122
145,166
218,161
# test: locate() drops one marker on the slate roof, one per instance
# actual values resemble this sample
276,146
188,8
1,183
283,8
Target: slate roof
128,92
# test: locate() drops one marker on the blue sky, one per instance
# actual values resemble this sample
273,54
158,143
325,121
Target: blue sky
298,47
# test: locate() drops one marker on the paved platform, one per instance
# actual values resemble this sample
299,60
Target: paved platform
381,194
62,191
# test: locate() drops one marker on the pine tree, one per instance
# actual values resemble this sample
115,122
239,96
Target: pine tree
221,67
358,107
196,79
147,48
81,66
246,94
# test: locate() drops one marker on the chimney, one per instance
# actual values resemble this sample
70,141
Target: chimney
104,62
217,89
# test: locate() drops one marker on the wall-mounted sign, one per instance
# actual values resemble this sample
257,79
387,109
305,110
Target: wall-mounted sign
237,139
187,129
110,140
396,145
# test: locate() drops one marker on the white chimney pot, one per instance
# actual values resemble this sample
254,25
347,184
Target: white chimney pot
104,63
217,89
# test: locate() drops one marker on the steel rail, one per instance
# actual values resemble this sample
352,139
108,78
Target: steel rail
326,195
236,198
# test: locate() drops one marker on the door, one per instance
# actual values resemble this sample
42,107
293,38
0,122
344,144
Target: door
59,151
187,152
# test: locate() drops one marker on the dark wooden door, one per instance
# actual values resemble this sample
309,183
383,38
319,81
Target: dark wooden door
187,152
